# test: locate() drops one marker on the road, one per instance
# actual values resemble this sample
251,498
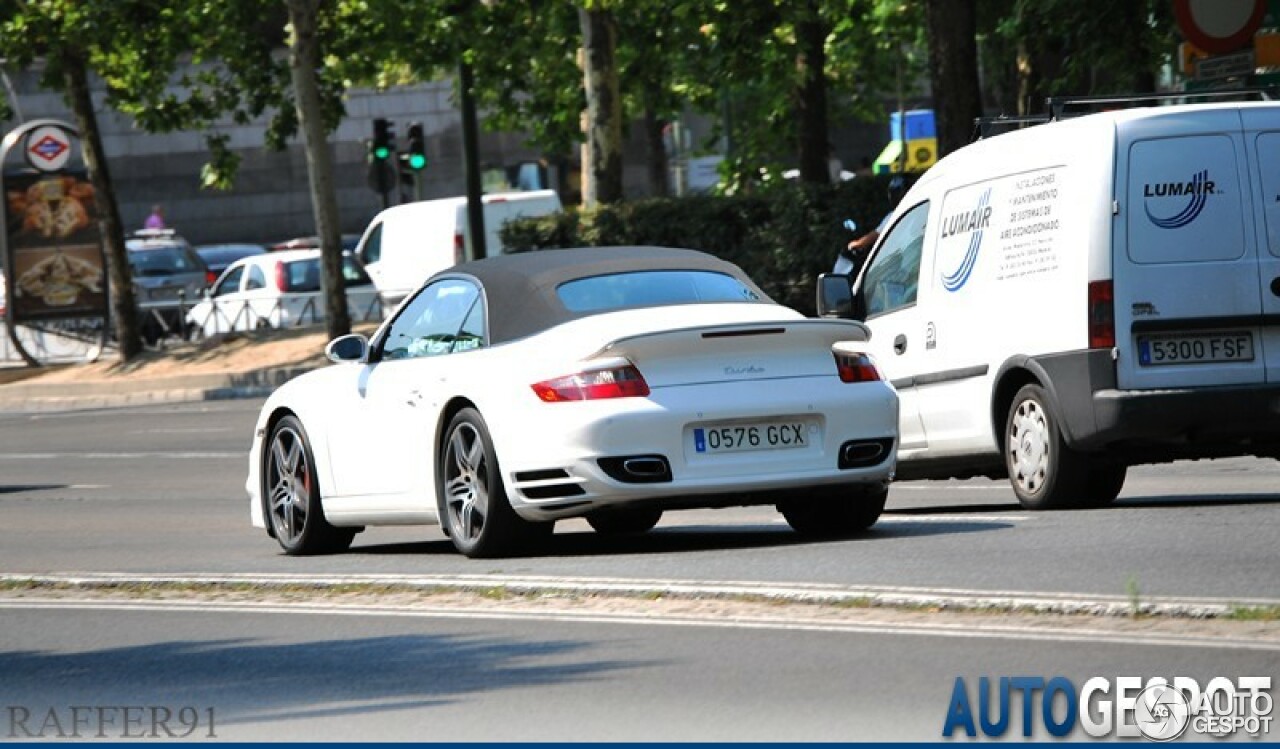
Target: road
160,489
303,676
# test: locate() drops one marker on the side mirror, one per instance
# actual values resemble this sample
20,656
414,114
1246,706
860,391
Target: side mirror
348,348
835,296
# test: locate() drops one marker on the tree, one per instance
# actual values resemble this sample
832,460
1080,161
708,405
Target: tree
73,38
604,105
953,70
304,61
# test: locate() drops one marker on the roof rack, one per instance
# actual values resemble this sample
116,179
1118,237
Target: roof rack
1060,106
984,126
1057,105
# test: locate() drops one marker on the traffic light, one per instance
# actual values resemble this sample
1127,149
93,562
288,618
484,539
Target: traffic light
383,140
417,160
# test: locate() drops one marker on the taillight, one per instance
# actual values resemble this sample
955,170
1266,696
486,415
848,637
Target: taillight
210,277
1102,315
856,368
617,382
282,278
459,248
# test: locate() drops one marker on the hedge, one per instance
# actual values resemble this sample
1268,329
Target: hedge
783,238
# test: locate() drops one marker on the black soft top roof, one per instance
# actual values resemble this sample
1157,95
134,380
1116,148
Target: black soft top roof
520,289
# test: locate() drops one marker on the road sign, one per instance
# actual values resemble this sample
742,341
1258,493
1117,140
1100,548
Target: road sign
48,148
1219,26
1225,66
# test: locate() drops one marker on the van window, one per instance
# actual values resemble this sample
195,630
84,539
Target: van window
230,282
256,280
892,278
1185,200
372,250
431,323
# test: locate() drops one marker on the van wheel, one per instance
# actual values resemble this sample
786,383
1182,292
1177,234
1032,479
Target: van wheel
1045,473
1105,482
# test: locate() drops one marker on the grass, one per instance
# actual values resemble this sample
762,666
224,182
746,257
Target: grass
1254,614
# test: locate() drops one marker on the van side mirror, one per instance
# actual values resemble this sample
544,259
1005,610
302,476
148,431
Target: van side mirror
835,296
347,348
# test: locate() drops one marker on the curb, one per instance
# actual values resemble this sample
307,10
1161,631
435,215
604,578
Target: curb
1010,602
35,397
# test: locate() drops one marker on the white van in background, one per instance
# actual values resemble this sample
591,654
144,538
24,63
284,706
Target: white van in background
1063,301
405,244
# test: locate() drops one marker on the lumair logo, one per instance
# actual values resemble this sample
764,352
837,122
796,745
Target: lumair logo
1197,191
973,223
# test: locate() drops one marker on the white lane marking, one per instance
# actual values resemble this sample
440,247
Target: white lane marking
184,455
966,630
89,486
979,517
183,430
948,488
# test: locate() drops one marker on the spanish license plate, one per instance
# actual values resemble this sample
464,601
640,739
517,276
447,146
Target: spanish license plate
1198,348
731,438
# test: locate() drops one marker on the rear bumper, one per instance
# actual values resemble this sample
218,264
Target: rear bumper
1159,424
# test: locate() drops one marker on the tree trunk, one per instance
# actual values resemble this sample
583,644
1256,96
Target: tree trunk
811,97
953,68
304,62
656,150
124,304
604,106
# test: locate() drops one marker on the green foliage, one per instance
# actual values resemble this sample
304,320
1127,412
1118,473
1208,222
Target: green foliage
782,238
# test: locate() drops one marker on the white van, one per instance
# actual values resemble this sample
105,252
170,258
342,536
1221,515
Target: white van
405,244
1063,301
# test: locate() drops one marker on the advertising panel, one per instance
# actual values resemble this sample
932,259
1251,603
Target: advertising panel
56,265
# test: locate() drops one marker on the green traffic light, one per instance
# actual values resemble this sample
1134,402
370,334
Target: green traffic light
417,161
381,152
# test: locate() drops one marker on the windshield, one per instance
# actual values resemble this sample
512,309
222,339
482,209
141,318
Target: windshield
652,288
164,261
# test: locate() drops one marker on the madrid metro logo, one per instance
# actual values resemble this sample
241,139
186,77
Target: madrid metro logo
973,222
1197,190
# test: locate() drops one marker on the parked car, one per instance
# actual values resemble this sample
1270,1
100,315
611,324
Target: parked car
607,383
278,290
219,256
406,244
168,276
349,242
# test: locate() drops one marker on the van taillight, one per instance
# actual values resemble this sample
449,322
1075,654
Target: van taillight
1102,315
282,278
210,277
459,248
617,382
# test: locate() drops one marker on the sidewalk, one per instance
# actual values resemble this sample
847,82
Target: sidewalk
244,365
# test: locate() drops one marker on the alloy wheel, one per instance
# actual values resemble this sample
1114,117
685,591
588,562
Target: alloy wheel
466,482
289,476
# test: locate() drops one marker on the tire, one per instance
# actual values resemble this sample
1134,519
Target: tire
835,513
1046,474
292,491
1105,482
474,509
623,522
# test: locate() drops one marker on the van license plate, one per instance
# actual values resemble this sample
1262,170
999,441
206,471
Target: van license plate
1206,348
741,437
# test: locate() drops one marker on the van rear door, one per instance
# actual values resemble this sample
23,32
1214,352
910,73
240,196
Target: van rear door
1262,143
1188,305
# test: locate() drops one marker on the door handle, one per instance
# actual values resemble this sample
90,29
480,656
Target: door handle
1275,286
900,344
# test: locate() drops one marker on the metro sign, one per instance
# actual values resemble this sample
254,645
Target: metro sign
48,148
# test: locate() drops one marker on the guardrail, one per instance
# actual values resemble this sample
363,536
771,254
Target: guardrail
285,311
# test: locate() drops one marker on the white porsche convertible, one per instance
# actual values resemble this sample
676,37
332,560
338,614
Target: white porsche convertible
605,383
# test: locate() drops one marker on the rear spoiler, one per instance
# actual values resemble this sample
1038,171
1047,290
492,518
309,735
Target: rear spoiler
697,339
